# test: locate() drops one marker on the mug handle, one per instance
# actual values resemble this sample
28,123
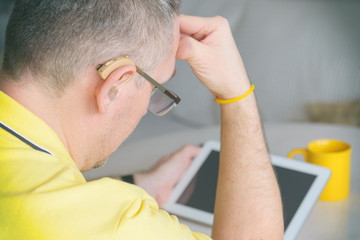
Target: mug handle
298,151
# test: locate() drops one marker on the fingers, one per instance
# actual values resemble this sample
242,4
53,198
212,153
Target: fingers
199,27
184,154
161,179
208,46
189,151
184,49
189,49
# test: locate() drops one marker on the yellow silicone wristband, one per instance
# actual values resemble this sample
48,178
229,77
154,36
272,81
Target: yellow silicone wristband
220,101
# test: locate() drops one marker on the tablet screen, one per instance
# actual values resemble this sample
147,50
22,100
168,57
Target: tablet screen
200,193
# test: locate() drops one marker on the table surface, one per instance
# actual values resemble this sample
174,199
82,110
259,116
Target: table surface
328,220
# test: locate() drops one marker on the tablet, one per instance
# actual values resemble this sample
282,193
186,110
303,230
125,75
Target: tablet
300,184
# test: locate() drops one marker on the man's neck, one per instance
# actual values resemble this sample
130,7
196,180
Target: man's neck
53,111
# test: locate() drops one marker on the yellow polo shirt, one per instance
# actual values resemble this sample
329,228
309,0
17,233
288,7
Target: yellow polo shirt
43,195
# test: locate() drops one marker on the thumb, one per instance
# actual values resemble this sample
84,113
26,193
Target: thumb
189,49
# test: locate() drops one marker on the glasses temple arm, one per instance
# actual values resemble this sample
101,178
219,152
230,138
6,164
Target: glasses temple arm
150,79
158,86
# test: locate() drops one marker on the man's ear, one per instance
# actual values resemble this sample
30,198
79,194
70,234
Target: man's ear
107,90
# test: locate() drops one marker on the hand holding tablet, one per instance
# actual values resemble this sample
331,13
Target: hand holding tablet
300,185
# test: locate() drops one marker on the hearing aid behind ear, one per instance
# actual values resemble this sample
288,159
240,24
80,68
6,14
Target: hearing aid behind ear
105,69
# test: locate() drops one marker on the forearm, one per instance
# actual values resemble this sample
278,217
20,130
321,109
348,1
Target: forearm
248,202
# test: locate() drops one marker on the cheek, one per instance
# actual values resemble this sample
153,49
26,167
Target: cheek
147,100
143,99
137,107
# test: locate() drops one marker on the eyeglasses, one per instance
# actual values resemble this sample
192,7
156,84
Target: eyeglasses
161,101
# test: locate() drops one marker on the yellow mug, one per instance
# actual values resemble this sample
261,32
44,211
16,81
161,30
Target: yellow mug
332,154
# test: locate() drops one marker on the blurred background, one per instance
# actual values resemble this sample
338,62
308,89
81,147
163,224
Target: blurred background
302,55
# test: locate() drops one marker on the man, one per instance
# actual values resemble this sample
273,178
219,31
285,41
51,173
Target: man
73,89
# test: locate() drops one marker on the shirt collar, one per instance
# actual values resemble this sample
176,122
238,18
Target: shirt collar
31,127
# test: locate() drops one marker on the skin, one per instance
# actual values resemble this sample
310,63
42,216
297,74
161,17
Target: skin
105,124
248,203
160,180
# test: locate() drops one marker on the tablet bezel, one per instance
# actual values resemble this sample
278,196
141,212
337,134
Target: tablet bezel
311,197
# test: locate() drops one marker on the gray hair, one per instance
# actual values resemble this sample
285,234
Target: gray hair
58,40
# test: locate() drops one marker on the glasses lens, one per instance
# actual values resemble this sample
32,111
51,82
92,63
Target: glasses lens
160,103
